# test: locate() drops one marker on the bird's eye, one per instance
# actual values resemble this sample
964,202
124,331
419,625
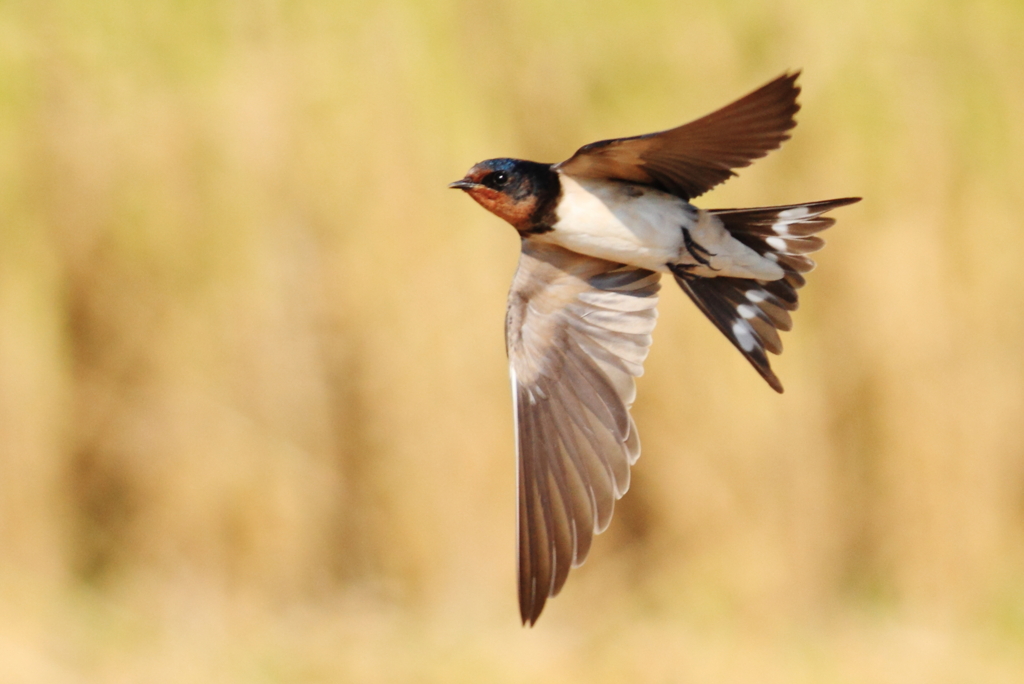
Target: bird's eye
497,179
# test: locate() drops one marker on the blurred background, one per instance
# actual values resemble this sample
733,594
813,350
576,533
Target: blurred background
255,422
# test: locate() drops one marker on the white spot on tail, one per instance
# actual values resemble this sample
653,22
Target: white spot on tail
776,243
781,228
794,213
746,311
744,335
757,296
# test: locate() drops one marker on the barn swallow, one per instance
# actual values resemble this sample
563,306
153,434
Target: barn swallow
597,232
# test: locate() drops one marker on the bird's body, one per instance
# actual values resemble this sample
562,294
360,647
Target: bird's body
598,230
642,226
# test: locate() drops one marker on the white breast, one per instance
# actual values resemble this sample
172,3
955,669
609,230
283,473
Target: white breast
619,222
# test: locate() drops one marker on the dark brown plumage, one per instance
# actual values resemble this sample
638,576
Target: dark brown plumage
689,160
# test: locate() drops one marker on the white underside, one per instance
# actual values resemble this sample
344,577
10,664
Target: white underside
643,227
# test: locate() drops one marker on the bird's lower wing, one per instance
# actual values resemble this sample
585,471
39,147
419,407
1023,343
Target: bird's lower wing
578,331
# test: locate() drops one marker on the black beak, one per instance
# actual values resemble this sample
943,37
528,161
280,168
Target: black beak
464,184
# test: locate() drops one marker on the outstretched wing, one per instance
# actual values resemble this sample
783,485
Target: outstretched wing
578,331
690,160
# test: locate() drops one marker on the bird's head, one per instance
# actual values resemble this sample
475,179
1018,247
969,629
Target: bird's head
515,190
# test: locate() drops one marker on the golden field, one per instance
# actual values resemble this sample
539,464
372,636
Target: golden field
255,422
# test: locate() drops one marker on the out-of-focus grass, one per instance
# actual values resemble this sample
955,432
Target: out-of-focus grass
254,417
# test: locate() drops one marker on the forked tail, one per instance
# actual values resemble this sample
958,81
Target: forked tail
751,312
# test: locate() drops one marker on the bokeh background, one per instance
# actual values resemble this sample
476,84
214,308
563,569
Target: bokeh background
254,412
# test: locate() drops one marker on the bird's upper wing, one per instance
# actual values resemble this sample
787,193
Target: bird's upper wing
690,160
578,331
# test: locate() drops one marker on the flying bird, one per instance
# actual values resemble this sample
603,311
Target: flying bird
597,231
